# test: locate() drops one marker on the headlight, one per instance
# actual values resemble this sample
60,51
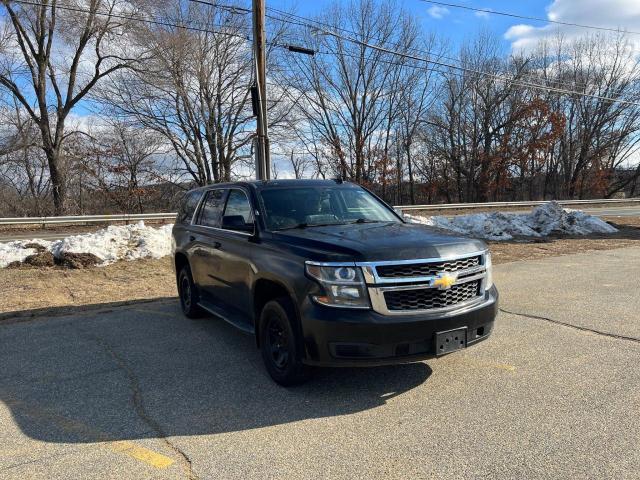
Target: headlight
489,266
344,286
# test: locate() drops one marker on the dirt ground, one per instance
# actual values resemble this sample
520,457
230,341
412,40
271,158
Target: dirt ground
30,291
628,235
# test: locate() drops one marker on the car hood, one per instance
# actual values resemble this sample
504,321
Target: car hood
377,242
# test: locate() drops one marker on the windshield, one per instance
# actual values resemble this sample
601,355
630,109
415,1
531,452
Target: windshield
324,205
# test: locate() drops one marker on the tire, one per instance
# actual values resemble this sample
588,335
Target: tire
280,344
188,294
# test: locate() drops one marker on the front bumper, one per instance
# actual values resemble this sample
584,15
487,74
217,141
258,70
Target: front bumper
349,337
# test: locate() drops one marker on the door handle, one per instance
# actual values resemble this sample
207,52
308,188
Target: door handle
192,238
217,245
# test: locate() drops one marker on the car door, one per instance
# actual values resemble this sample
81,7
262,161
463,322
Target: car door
236,253
182,233
206,263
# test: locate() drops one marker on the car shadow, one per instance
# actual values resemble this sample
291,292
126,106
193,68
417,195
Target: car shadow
143,371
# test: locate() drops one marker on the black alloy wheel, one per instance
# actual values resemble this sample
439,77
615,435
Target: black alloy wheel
188,294
280,344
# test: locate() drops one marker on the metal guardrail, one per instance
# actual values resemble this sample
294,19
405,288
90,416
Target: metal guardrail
170,216
465,206
125,217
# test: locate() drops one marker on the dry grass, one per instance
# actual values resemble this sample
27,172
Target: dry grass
27,291
529,249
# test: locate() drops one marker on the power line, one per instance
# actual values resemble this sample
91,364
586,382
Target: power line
306,22
135,18
481,72
303,22
300,21
334,34
155,21
449,72
421,67
230,8
526,17
389,62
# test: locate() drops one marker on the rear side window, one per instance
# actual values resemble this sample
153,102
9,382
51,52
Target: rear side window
238,206
188,206
211,210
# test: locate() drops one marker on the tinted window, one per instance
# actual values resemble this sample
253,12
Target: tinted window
330,205
211,210
238,206
188,206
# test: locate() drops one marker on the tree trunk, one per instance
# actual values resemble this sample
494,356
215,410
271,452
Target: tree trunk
58,184
412,193
399,171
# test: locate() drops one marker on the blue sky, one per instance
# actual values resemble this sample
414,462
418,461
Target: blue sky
457,24
454,24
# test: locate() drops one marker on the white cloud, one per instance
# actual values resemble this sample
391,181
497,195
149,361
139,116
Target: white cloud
438,12
88,122
616,14
484,13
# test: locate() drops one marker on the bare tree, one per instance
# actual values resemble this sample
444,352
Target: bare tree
346,92
23,166
195,90
122,162
171,77
418,93
44,66
468,129
299,163
601,134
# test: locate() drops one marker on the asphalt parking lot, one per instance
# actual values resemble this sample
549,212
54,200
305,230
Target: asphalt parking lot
141,392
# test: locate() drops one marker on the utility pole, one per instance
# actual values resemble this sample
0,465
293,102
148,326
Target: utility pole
263,160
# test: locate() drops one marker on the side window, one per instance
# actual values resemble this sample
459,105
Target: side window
188,206
237,213
212,208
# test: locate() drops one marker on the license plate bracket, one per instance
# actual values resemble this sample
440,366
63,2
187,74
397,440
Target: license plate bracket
450,341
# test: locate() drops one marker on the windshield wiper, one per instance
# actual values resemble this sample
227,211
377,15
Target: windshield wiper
305,225
292,227
366,220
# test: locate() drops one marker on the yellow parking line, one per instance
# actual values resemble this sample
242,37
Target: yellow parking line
502,366
143,454
125,447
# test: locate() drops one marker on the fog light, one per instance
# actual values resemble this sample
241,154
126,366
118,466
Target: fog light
345,292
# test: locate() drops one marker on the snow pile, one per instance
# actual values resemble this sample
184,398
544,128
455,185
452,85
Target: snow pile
546,219
131,242
127,242
16,252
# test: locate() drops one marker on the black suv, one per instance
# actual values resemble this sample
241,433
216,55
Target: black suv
324,273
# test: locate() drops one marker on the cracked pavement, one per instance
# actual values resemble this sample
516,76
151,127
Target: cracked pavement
138,391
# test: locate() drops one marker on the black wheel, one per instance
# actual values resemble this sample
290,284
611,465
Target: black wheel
188,294
279,343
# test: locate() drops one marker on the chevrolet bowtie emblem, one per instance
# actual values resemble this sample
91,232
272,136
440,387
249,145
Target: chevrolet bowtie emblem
444,280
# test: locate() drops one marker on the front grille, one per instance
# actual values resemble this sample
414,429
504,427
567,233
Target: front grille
429,298
426,269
